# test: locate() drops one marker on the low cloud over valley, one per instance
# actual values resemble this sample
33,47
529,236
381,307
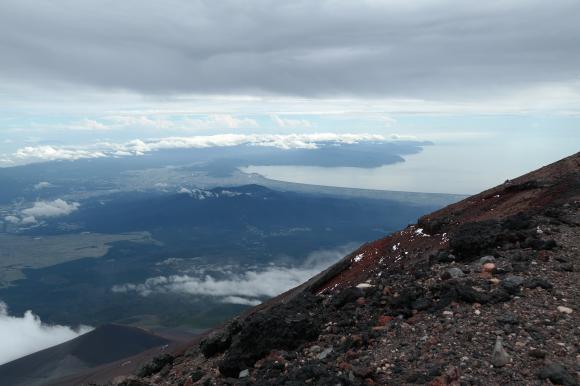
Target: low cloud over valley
248,288
27,334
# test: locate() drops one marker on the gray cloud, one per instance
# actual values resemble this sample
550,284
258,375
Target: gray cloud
25,335
425,49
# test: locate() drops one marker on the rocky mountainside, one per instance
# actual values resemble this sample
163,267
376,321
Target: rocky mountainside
484,291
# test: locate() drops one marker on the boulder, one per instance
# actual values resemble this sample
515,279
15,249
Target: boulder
499,357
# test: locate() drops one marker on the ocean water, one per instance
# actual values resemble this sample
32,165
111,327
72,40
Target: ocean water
437,169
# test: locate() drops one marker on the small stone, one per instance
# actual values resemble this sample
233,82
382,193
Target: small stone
325,353
453,273
565,310
384,320
566,267
536,282
421,304
364,285
477,312
508,318
344,366
535,353
486,259
445,257
494,281
488,267
244,373
196,375
314,349
447,313
362,372
558,374
512,283
499,357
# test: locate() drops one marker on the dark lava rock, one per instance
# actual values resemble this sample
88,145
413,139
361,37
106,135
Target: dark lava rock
539,354
423,377
549,245
528,185
558,374
452,290
155,366
347,295
508,318
474,239
567,267
538,244
215,344
403,303
512,284
487,259
133,382
535,333
285,327
312,374
520,221
445,257
499,295
452,273
538,282
421,304
520,266
219,341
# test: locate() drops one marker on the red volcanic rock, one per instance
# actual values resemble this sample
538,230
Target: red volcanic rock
488,267
384,319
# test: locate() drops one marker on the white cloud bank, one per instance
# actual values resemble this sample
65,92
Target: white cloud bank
25,335
121,122
43,185
241,288
52,153
43,209
54,208
31,154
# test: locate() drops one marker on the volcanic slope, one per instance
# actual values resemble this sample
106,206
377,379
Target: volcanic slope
105,344
484,291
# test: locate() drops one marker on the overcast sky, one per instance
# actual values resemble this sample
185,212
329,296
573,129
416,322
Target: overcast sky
80,71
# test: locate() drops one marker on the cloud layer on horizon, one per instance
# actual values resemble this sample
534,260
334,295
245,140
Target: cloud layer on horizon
42,153
25,335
